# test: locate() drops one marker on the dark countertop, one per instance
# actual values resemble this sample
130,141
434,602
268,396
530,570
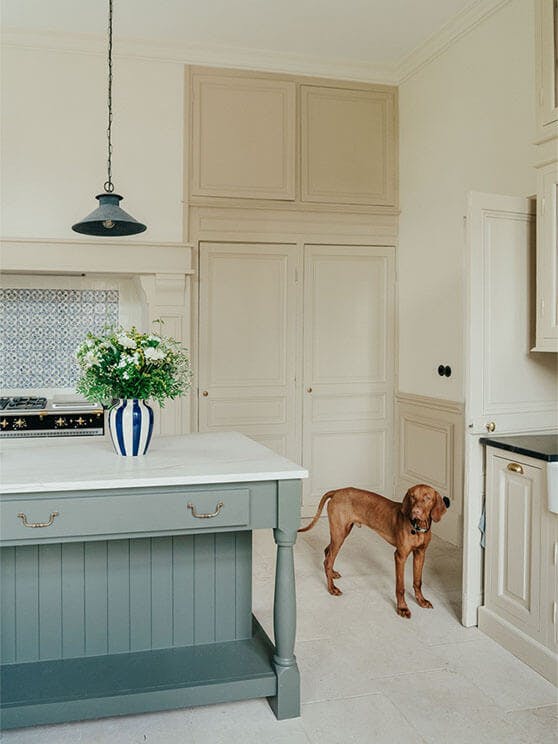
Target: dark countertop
539,446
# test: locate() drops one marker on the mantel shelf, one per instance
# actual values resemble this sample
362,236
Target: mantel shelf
53,256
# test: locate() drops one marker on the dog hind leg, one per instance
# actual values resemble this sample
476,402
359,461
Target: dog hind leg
337,538
335,574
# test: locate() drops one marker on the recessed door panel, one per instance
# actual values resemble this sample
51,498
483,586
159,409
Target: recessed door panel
348,145
247,343
513,539
243,142
348,369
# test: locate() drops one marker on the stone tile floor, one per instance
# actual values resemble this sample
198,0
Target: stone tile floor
367,675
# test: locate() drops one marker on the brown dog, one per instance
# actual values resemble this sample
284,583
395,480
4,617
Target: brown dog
405,525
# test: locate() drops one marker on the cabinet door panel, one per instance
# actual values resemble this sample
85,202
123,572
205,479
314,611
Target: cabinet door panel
506,384
243,141
547,62
248,302
348,146
513,539
547,259
348,369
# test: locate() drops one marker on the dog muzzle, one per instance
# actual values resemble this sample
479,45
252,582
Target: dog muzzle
446,501
416,529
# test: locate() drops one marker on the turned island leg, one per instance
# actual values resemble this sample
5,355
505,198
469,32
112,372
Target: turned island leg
286,704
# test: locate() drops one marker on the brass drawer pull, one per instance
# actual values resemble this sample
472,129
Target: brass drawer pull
515,467
205,516
23,518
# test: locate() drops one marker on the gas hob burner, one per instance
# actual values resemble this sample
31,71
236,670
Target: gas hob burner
29,403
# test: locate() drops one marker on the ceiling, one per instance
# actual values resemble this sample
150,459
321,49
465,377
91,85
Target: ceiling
371,33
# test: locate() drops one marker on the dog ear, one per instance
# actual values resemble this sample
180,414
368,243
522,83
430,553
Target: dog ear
439,508
406,504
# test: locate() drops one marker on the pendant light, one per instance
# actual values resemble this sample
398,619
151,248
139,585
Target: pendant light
109,220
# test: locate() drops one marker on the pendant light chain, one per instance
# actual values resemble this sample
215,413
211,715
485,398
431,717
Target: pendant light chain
109,186
109,219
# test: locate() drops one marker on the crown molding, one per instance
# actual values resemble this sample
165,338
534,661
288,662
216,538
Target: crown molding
464,22
205,55
260,59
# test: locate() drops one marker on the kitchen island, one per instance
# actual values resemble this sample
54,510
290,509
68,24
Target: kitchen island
126,582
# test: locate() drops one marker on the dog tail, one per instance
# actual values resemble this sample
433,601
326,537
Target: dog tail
324,498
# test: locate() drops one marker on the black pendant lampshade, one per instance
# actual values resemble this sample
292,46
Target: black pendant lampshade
109,220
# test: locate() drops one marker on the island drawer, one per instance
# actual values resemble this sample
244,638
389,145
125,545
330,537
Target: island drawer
38,518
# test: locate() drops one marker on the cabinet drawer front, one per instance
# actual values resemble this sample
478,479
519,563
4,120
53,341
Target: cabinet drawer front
60,517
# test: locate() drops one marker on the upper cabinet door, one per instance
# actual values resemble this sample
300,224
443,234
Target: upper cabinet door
243,136
547,62
348,146
508,389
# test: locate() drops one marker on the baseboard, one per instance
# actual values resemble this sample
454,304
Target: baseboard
534,654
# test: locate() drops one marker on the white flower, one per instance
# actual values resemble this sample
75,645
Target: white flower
90,360
90,342
126,341
153,353
125,360
126,376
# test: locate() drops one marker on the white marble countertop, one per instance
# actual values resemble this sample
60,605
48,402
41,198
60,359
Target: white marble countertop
64,465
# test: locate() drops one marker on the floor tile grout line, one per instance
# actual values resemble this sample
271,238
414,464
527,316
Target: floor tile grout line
453,643
533,707
347,697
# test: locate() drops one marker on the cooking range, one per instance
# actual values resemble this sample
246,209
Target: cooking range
35,416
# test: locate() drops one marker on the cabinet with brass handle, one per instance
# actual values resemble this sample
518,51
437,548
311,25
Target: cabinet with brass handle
210,515
521,539
515,467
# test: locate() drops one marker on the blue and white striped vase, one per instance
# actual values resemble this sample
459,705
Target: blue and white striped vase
131,426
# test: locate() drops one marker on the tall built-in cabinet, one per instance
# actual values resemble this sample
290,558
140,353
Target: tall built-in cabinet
547,174
292,204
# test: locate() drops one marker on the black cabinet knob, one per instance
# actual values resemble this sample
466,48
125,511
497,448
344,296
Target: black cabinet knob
444,370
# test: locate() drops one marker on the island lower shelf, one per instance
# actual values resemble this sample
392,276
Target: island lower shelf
119,684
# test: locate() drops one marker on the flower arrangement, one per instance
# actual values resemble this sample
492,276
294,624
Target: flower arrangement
128,364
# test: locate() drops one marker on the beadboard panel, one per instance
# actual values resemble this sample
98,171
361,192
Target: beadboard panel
66,600
429,443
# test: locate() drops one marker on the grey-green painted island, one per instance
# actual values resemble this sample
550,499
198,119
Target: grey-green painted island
126,582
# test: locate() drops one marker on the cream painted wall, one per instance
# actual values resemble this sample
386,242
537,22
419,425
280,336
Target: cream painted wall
53,146
466,123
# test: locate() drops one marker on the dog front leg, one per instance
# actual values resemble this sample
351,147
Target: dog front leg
418,563
400,559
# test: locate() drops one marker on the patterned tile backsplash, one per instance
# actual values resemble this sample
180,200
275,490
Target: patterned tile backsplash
40,329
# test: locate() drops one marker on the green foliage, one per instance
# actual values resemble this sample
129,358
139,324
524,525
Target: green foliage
130,364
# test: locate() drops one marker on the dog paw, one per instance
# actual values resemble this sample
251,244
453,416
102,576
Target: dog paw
404,612
334,590
425,603
336,575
